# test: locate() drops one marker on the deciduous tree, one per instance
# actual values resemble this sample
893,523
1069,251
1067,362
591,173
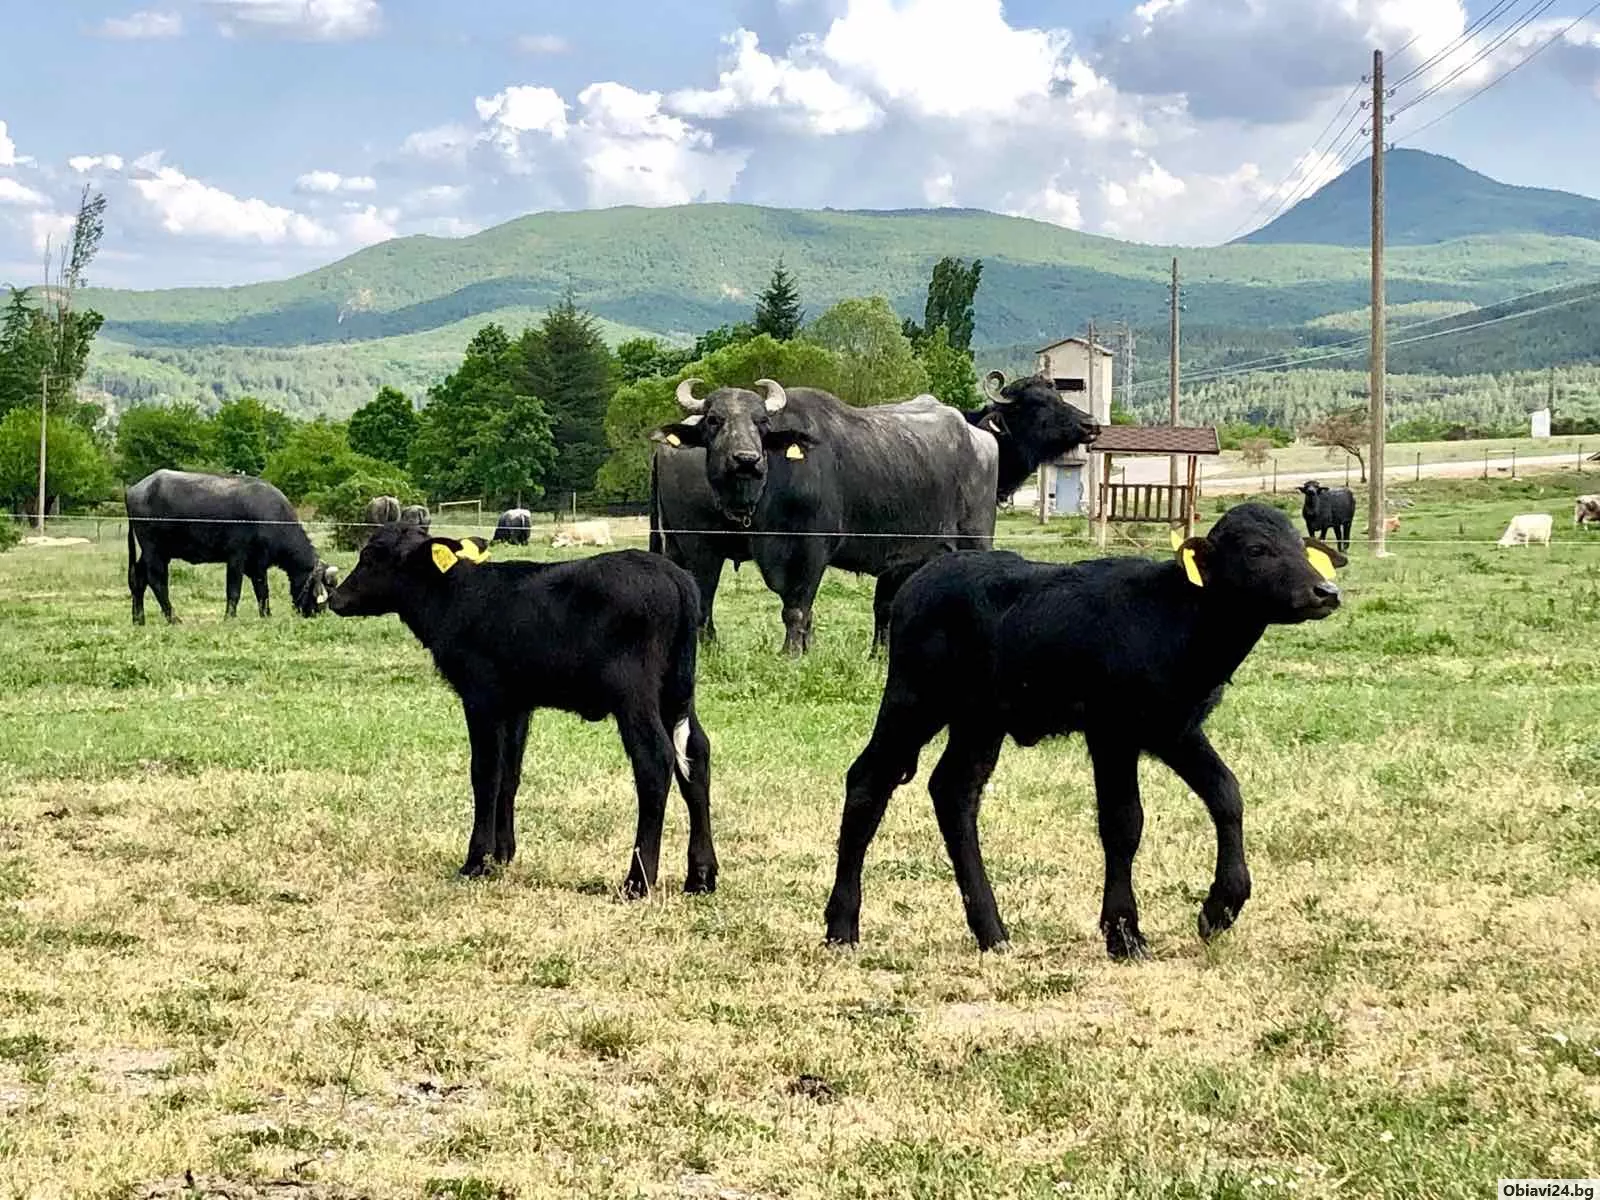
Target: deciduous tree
877,362
385,427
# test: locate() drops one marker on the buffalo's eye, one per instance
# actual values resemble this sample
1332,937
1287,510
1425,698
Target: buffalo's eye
1259,550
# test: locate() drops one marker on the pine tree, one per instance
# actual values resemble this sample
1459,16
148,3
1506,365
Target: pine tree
778,311
565,362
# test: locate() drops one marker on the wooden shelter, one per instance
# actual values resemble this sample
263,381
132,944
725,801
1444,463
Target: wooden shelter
1151,502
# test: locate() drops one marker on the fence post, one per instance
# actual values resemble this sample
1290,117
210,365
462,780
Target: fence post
1486,464
1274,476
1419,466
1347,470
1580,458
1513,462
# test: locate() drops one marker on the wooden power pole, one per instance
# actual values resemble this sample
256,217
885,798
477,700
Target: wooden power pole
44,417
1379,365
1172,370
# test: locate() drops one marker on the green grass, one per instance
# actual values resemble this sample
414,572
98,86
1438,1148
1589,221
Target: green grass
232,939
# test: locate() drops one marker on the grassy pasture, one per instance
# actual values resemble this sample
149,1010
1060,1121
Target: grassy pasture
232,940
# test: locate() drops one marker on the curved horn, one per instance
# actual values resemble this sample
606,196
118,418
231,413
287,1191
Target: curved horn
773,391
992,383
686,396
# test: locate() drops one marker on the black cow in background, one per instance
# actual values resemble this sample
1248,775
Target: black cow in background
1328,509
234,519
416,514
1133,653
514,526
611,635
798,481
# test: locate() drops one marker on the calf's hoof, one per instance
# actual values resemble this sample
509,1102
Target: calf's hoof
842,931
474,868
1124,942
1216,917
635,888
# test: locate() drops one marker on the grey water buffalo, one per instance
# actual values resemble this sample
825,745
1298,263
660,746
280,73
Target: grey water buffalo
796,481
234,519
1586,510
1133,653
613,635
1328,509
416,514
514,527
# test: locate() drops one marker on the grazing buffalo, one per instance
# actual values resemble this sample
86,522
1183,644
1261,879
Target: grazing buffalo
583,533
1131,652
416,514
611,635
1586,510
1526,529
1328,509
382,510
514,526
797,481
234,519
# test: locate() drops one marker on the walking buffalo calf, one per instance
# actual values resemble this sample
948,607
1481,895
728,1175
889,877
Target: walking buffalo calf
514,527
613,635
1326,509
234,519
1130,652
798,481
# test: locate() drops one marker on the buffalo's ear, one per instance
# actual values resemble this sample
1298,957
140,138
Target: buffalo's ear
687,432
1192,555
791,443
440,554
1324,558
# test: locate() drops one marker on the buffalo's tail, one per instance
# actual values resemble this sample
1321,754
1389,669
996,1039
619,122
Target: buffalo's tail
677,692
655,509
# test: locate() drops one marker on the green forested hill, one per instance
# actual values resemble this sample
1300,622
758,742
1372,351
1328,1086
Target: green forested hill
401,312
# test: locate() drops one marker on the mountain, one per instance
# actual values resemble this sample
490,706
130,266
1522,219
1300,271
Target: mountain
400,313
1428,200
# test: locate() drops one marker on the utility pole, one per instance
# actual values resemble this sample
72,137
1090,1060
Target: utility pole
1379,364
1172,371
44,414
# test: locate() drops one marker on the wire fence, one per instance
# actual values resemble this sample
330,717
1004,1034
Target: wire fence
1586,537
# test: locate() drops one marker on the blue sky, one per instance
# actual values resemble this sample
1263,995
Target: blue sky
240,140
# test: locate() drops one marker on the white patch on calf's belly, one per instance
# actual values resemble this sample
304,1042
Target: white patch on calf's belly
680,745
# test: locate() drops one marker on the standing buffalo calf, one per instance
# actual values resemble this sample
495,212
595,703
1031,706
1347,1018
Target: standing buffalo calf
1133,653
234,519
1328,509
612,635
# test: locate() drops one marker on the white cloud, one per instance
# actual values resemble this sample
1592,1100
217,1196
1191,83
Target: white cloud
441,143
756,80
12,192
47,229
82,164
304,20
8,148
441,195
543,43
327,183
142,26
367,226
519,110
187,207
1050,203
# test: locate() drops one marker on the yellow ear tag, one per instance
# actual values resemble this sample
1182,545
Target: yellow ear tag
674,440
1320,562
470,552
794,452
1176,540
1190,568
443,557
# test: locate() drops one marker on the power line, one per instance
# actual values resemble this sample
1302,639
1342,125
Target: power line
1315,142
1509,71
1459,41
1537,11
1288,358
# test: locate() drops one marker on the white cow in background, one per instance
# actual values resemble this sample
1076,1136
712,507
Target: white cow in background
584,533
1526,529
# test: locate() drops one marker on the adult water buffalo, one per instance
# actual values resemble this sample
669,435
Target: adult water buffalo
514,526
416,514
234,519
797,481
382,510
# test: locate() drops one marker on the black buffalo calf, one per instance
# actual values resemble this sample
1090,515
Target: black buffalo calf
1328,510
613,635
1131,652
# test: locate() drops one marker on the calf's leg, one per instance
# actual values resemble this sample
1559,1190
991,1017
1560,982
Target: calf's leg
1121,815
695,784
650,751
890,759
956,786
487,731
1197,763
137,582
505,817
156,573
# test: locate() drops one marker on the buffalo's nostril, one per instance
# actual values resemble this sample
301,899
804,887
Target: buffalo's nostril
1327,589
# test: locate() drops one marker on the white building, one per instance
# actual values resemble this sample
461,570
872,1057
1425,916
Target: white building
1074,479
1540,418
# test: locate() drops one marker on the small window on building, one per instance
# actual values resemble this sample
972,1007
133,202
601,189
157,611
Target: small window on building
1070,385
